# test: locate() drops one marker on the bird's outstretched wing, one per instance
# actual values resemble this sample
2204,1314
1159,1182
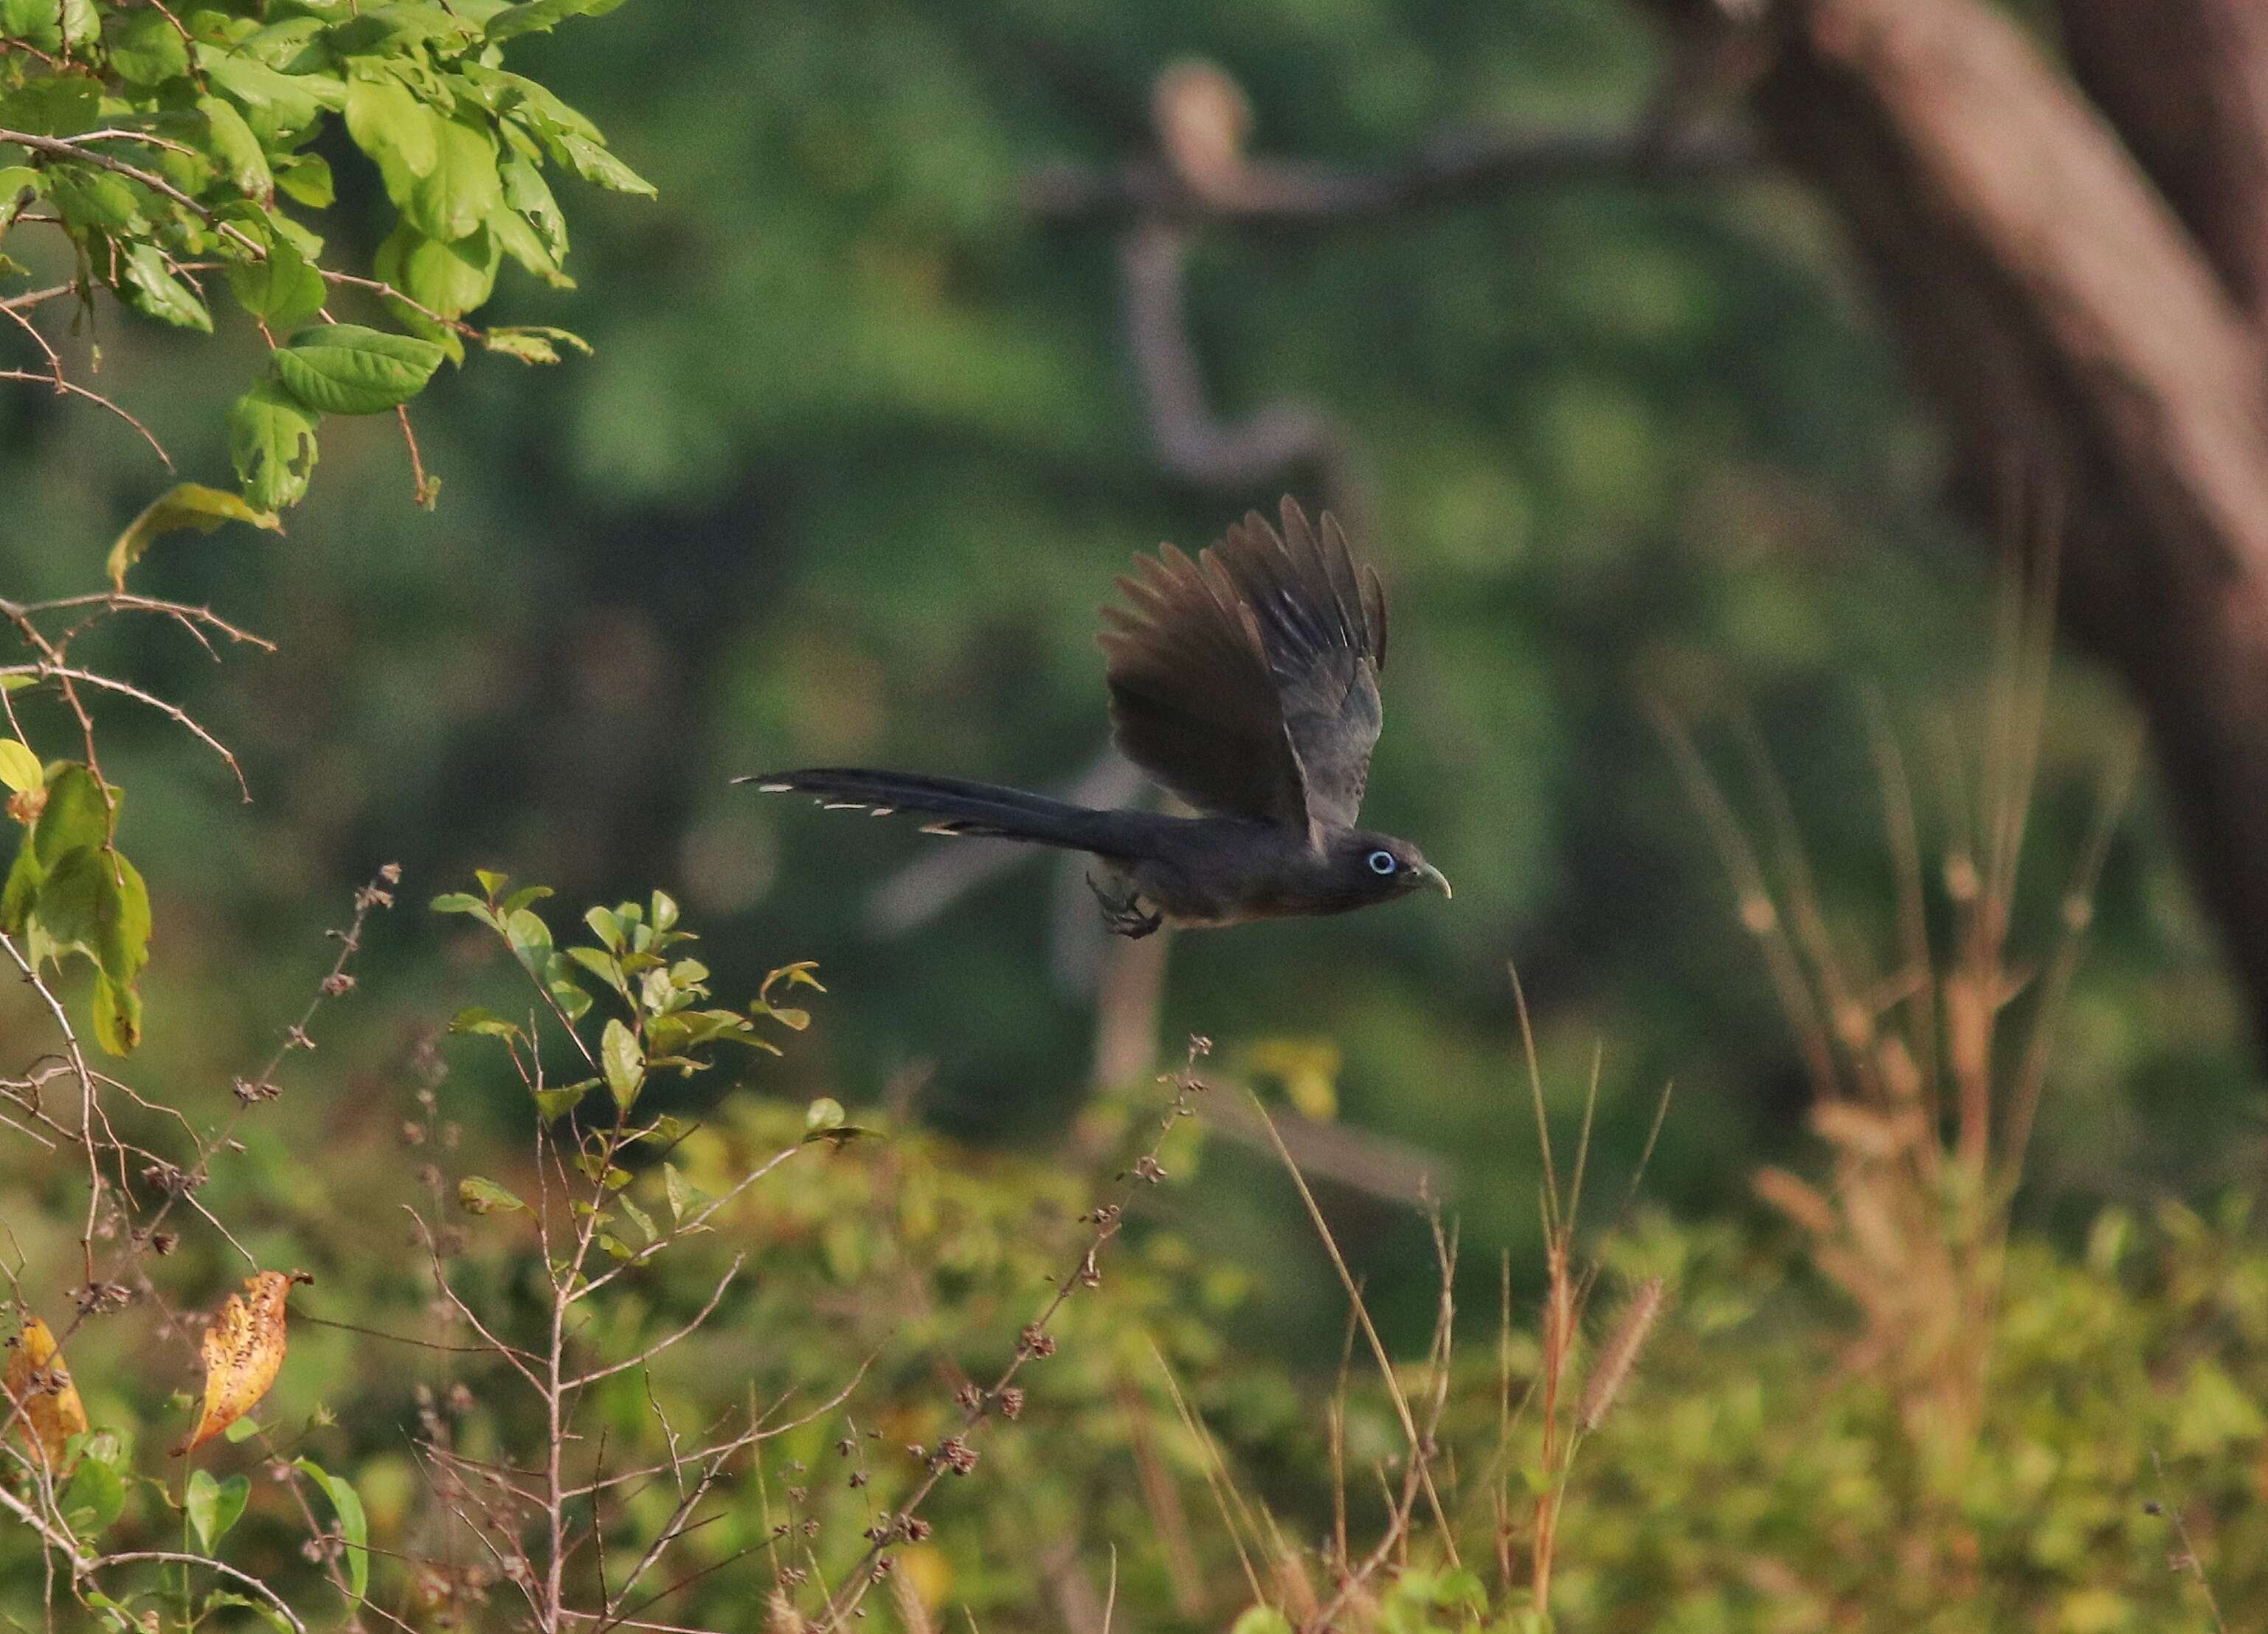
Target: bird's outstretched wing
1247,680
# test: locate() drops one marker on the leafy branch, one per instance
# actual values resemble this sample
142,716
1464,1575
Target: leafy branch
163,149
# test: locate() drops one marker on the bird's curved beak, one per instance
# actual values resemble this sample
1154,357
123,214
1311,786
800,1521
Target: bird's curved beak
1435,878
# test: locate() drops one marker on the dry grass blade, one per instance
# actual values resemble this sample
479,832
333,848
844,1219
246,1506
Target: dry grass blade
1417,1442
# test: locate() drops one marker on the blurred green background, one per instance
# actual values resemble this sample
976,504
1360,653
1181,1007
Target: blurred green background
858,455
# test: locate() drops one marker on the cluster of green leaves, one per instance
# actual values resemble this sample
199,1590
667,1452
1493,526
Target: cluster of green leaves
97,1476
71,889
663,1024
170,142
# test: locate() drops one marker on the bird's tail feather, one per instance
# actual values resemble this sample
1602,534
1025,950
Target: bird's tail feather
955,806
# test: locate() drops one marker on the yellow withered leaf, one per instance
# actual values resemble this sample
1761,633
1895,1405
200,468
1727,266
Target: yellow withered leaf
243,1351
42,1402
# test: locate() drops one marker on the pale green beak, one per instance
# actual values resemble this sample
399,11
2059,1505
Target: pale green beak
1434,877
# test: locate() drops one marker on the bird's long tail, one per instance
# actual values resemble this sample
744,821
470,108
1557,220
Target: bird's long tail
955,806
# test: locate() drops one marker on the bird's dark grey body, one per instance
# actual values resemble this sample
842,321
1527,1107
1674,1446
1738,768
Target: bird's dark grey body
1247,682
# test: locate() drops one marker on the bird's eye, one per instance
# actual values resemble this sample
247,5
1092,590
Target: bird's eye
1382,862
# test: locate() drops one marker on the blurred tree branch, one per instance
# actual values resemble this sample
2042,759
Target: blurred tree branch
2094,303
1453,169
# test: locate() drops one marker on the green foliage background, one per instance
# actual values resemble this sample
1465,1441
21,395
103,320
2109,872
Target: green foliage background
858,452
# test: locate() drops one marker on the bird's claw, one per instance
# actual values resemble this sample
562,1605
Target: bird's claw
1124,915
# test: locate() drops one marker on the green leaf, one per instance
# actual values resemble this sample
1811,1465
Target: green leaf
19,184
153,290
450,279
264,1609
552,1104
486,1023
353,1526
117,1016
145,47
666,1130
624,1064
94,900
685,1198
529,939
822,1115
274,104
452,196
1262,1620
559,978
50,24
343,368
491,881
183,505
1461,1588
284,288
526,192
590,160
458,903
389,123
542,15
235,149
306,177
639,1218
271,440
598,963
114,1615
58,105
214,1506
476,1196
19,767
75,816
608,927
94,1498
95,199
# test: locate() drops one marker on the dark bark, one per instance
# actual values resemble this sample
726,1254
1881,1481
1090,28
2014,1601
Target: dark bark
2185,82
2049,297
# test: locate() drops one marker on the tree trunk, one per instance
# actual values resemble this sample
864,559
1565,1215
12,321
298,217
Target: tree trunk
2081,274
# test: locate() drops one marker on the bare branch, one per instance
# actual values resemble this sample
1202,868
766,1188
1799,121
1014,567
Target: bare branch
1282,194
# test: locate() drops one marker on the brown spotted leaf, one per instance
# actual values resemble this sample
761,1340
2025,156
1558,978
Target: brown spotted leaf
42,1402
243,1352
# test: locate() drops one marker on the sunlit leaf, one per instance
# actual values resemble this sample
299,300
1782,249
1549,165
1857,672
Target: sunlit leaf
282,288
343,368
184,505
243,1352
477,1196
624,1062
353,1529
19,767
271,442
153,288
485,1023
42,1402
552,1104
235,149
1262,1620
94,1496
214,1506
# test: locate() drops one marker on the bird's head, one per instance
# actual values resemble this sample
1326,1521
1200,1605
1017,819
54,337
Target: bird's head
1376,866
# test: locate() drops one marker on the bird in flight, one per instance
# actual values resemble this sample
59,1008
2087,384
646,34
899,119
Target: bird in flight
1246,681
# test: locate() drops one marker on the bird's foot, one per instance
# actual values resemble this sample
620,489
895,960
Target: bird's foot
1124,913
